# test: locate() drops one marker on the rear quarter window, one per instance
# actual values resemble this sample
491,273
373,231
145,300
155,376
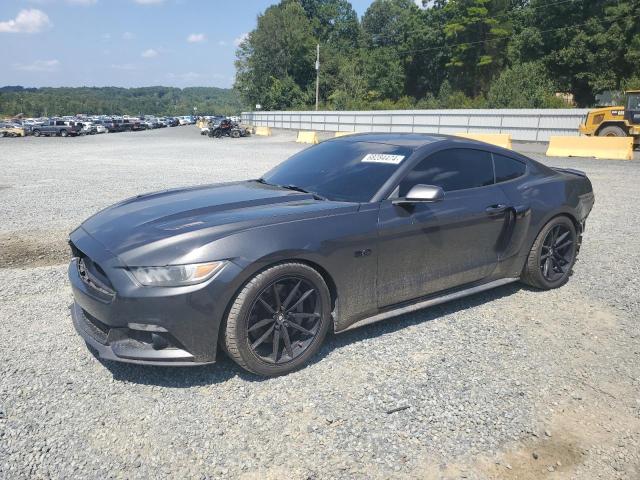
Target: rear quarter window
507,168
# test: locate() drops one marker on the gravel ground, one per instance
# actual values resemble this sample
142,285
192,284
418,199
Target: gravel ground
511,383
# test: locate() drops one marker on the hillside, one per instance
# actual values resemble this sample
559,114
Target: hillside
119,101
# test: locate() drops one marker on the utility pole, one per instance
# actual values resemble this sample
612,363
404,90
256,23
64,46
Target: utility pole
317,74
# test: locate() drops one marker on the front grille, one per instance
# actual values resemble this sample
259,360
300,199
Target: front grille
92,274
85,268
98,330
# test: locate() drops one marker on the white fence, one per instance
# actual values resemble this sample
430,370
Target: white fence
522,124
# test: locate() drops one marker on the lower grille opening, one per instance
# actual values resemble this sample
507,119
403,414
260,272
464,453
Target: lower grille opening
97,329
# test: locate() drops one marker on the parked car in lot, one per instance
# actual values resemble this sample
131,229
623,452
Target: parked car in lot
133,124
56,127
11,130
354,230
87,124
113,125
87,128
99,125
151,123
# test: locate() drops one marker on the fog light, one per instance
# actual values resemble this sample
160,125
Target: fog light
158,342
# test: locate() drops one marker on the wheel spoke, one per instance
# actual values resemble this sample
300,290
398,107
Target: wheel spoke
302,298
276,345
263,337
547,266
291,295
276,296
561,238
301,329
565,244
266,305
261,323
287,342
304,315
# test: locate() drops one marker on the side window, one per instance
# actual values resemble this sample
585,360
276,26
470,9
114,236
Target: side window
453,169
507,168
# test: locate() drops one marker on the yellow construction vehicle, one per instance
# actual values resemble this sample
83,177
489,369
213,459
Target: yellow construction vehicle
615,121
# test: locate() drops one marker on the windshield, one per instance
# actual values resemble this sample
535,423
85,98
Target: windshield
633,102
340,170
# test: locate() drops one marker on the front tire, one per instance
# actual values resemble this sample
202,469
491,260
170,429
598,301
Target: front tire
552,255
278,320
612,131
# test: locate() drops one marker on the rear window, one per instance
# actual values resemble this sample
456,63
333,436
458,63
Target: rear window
507,168
340,170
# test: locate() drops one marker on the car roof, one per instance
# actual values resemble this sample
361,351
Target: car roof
408,140
416,141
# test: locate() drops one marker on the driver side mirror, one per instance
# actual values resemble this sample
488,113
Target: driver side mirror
421,194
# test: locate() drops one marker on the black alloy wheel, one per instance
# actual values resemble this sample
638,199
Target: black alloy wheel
552,255
557,253
278,320
284,320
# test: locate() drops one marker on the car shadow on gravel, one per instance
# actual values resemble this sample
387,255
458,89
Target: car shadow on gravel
225,369
394,324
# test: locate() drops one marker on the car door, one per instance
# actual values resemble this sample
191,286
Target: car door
429,247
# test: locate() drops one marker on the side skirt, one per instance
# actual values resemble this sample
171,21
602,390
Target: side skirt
430,302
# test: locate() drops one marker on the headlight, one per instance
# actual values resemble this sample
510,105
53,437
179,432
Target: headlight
175,275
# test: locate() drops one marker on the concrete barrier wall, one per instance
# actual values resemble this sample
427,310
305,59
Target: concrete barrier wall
522,124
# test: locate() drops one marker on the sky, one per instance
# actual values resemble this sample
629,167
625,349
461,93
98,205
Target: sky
125,43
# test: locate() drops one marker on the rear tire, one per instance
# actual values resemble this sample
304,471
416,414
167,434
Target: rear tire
235,134
258,334
612,131
552,256
64,133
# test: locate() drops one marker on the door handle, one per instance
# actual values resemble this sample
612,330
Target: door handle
495,209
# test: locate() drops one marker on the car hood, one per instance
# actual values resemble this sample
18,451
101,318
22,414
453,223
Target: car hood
181,220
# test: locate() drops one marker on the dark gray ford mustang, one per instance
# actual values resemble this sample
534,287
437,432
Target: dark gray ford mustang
353,230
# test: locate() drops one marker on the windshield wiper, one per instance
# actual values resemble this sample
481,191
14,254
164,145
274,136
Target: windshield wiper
292,187
296,188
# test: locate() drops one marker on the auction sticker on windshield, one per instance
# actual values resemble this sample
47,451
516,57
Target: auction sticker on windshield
382,158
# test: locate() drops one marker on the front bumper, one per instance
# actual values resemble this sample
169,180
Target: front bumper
117,345
126,322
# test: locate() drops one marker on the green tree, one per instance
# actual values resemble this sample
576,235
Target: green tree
477,31
524,85
282,47
334,22
587,47
386,25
